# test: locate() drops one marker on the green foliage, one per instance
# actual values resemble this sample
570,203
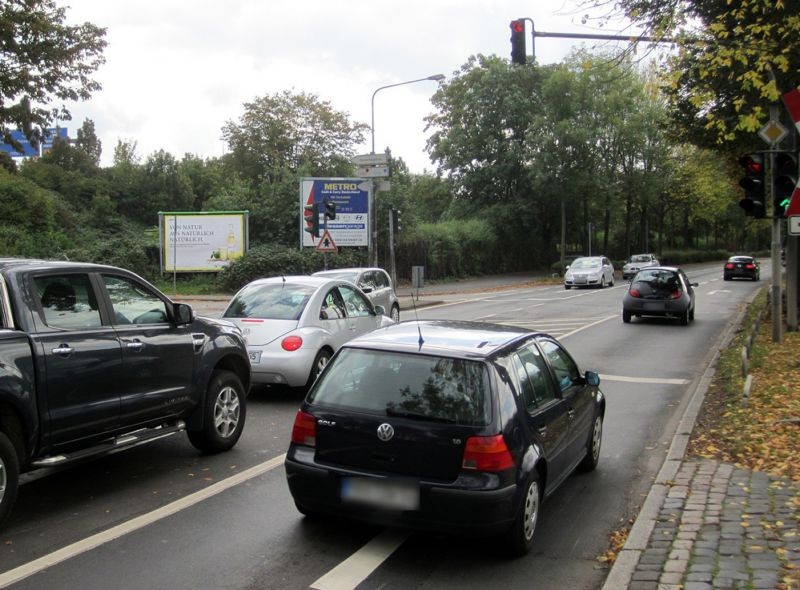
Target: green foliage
451,249
43,59
275,260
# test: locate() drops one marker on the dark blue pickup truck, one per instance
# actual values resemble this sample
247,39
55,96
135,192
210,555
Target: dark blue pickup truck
93,359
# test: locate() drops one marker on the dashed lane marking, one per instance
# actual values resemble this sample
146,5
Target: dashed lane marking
654,380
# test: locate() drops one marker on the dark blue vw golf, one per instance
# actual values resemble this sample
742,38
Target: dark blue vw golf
445,426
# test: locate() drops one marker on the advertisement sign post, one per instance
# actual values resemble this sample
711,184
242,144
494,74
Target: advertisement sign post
202,241
351,196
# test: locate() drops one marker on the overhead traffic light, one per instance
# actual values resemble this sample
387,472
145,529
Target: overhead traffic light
518,42
785,181
311,216
330,209
753,185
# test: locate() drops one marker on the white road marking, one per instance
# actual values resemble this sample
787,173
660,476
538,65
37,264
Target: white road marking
37,565
582,328
356,568
719,291
645,380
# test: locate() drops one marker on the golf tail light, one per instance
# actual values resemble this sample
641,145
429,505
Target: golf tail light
487,453
304,431
291,343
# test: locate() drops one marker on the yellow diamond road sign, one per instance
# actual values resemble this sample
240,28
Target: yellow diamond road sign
773,132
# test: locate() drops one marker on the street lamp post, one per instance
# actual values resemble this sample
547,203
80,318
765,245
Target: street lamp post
373,242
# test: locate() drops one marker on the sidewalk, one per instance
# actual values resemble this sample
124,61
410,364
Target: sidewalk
707,524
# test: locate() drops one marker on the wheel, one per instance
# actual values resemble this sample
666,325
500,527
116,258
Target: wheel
396,313
685,318
592,457
568,287
308,513
320,362
691,315
626,316
224,414
603,282
611,284
727,278
9,476
520,537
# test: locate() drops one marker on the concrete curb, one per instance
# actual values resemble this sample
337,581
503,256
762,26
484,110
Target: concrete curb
624,566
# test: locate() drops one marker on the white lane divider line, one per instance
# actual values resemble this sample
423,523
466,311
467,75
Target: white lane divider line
587,326
655,380
37,565
356,568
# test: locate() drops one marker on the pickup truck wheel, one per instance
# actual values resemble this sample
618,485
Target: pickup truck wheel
224,414
9,476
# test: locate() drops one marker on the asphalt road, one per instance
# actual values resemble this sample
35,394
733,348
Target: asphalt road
163,516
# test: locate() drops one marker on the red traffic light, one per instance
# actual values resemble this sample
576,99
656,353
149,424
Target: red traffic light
517,26
753,163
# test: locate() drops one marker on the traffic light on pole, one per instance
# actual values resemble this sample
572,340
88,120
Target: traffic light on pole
311,215
518,42
330,209
753,185
396,227
785,181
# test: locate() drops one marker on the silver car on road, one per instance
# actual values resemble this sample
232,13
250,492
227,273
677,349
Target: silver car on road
294,324
374,282
589,271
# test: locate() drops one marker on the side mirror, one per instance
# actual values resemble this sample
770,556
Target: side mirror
323,315
592,378
366,288
182,313
380,310
695,284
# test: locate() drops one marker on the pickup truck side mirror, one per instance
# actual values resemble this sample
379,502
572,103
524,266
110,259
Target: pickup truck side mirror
182,313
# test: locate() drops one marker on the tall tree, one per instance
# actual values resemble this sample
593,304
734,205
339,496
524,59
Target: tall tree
734,58
43,59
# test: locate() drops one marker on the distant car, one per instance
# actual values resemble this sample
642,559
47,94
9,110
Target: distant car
742,267
293,325
663,291
457,427
589,271
636,263
374,282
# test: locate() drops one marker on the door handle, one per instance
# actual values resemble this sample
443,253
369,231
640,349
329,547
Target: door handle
63,350
542,430
571,413
136,345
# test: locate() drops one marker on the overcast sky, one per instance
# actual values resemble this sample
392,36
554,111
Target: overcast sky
177,70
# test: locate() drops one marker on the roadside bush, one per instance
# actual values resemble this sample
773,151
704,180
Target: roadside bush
273,260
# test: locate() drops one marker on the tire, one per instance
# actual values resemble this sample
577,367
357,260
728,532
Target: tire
611,284
395,313
592,457
9,476
726,278
320,362
568,287
685,318
224,412
520,536
603,282
691,315
626,316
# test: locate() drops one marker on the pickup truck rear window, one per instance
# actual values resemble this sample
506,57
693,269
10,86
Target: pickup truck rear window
68,301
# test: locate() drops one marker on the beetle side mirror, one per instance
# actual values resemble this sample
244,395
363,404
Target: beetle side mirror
592,378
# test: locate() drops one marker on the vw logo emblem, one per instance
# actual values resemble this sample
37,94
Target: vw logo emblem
385,432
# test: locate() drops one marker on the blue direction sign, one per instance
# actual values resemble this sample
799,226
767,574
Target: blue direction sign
351,195
28,150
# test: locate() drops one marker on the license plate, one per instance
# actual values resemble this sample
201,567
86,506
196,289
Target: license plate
255,356
654,307
381,493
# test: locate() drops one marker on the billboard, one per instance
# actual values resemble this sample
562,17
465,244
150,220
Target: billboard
201,242
351,195
28,150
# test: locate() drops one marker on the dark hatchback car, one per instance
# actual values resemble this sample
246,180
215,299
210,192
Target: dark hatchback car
445,426
663,291
742,267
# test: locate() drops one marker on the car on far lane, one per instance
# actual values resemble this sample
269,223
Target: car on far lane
636,263
374,282
445,426
294,324
742,267
663,291
589,271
